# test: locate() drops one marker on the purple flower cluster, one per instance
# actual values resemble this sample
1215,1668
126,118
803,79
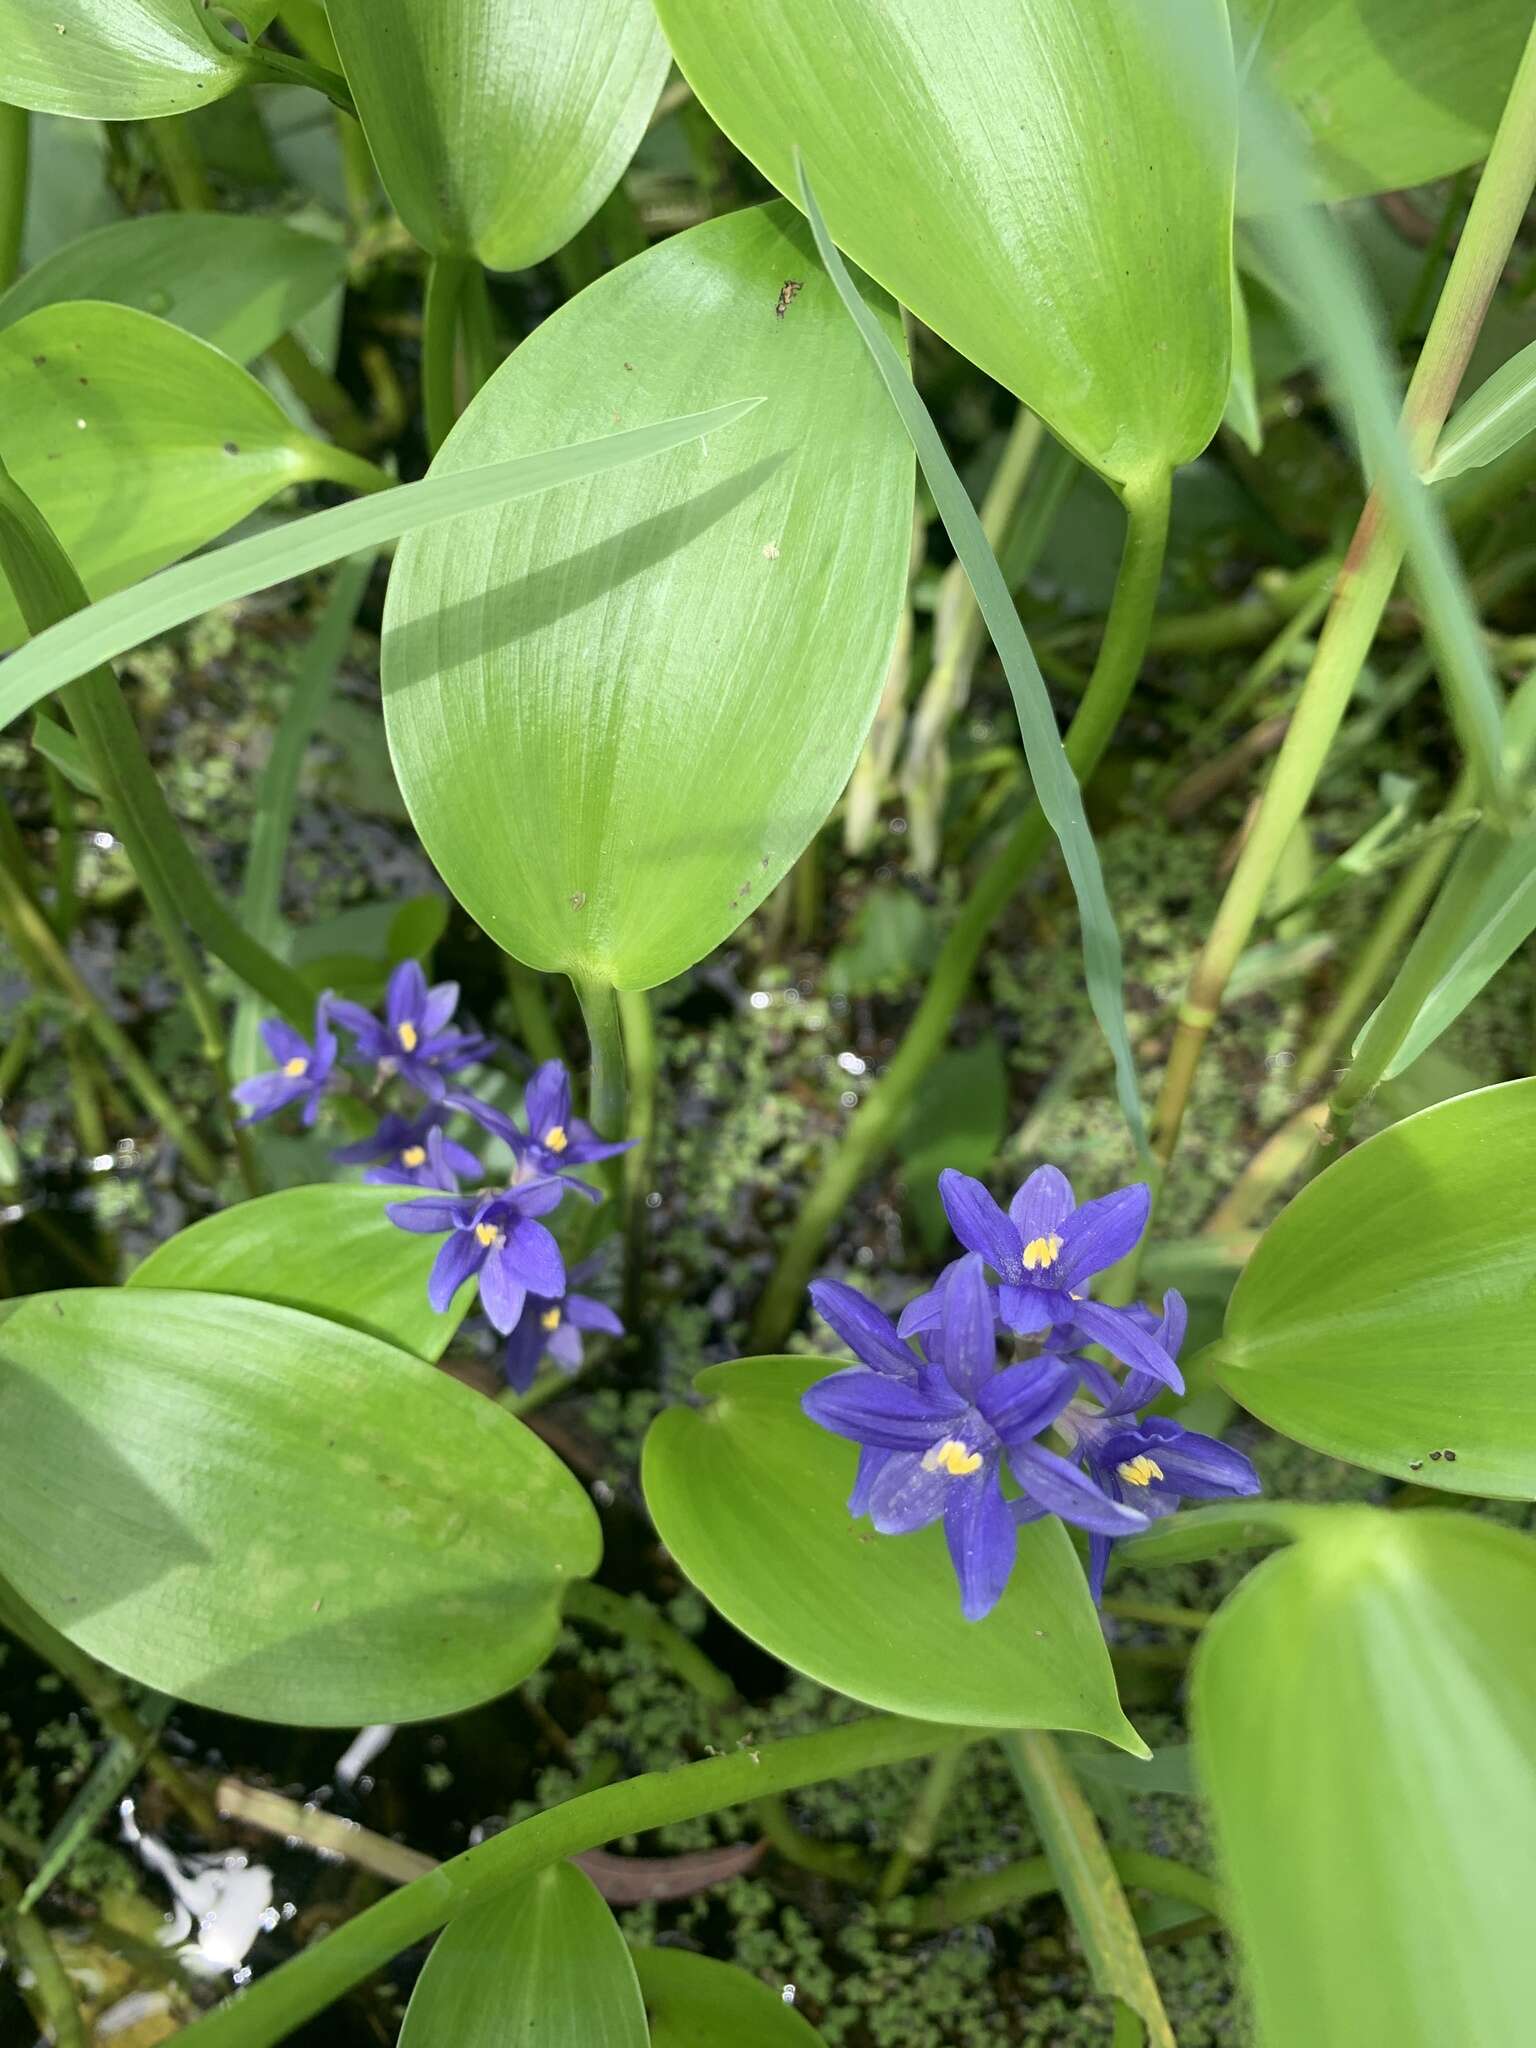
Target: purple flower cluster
938,1427
492,1234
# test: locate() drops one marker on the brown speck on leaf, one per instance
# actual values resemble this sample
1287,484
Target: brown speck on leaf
1434,1457
1415,1464
39,361
82,380
629,366
231,447
314,1607
763,863
789,291
1450,1457
579,900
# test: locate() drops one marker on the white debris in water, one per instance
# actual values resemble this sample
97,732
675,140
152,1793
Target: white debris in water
222,1902
361,1751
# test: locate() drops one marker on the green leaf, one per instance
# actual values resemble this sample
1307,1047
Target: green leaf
694,2002
958,1119
1494,914
272,1515
1242,414
1385,1315
113,60
750,1497
1498,415
328,1249
1364,1712
618,719
517,122
116,624
544,1966
1026,179
1389,95
234,280
136,441
1056,787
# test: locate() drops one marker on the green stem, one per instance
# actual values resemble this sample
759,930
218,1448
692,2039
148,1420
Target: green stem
636,1621
103,1693
265,66
482,352
52,1991
1087,1877
531,1008
1434,255
1365,583
15,161
46,960
876,1123
979,1898
276,2005
921,1825
607,1091
47,590
66,891
181,167
446,277
639,1026
331,408
1155,1614
306,22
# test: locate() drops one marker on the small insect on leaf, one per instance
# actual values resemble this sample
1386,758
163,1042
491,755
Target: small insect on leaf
789,291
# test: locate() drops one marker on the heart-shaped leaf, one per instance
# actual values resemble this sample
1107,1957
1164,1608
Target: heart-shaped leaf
245,1506
518,119
325,1248
113,60
694,2002
1385,1316
1027,179
618,717
1365,1727
544,1965
233,279
1391,95
750,1496
139,442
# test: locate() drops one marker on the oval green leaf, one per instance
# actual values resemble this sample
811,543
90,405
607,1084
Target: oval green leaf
1385,1316
113,60
1390,95
1026,179
328,1249
750,1497
694,2002
272,1515
1364,1711
543,1966
617,718
235,280
138,442
518,121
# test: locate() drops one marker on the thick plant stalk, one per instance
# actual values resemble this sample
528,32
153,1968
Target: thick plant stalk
272,2008
47,590
879,1117
446,280
15,157
1365,583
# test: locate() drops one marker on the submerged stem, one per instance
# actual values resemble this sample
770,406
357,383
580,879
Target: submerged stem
879,1118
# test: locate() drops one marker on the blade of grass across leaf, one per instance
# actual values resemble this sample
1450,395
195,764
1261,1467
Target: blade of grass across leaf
1056,787
102,631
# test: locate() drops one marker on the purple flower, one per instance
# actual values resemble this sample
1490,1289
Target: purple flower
413,1041
1150,1463
554,1329
934,1432
1044,1252
303,1069
400,1154
494,1237
556,1139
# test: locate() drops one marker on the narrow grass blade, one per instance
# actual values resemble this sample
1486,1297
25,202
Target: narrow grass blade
1056,788
1088,1881
115,1769
102,631
1500,413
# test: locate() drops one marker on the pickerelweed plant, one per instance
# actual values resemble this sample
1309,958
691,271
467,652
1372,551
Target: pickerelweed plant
586,352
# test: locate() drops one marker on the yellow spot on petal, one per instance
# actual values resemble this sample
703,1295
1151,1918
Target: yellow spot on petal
953,1457
488,1234
1041,1252
1140,1471
555,1138
294,1067
409,1036
414,1155
550,1319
